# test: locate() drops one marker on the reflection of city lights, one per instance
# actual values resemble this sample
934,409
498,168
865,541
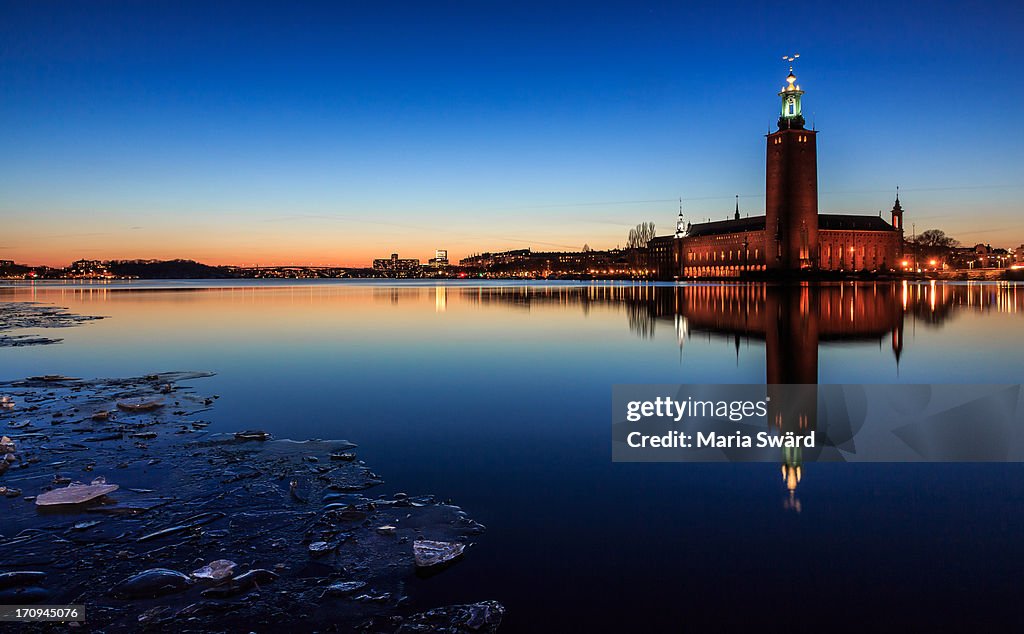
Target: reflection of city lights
441,299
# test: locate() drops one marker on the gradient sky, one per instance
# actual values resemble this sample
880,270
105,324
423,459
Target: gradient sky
334,133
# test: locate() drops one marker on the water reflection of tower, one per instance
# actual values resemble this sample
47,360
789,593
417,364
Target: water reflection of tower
791,335
791,369
898,309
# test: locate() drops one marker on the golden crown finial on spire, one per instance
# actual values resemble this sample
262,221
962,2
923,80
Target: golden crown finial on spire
791,78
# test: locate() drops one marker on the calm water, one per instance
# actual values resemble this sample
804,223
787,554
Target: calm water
498,397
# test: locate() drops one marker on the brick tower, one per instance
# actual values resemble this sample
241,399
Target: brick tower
791,188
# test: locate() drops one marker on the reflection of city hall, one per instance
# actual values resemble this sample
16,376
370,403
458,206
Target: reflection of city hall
791,236
793,320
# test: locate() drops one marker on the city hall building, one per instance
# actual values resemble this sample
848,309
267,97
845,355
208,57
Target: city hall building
791,236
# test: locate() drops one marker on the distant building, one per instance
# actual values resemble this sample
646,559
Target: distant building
663,257
6,263
986,257
487,260
440,258
980,256
983,255
524,262
396,267
89,269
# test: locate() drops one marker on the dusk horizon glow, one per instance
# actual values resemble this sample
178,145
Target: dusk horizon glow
261,133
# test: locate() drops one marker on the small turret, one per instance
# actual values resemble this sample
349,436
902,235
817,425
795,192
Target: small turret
897,212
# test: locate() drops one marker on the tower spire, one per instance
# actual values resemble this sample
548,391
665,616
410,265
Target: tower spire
681,226
897,212
737,215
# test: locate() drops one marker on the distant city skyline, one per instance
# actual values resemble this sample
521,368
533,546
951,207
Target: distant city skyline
332,135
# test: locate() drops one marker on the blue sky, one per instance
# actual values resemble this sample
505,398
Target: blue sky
336,132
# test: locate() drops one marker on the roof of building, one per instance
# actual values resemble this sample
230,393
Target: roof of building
663,239
757,223
848,221
718,227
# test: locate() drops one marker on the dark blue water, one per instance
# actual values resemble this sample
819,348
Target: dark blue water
498,397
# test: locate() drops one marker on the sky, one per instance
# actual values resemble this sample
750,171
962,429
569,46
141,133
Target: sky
333,133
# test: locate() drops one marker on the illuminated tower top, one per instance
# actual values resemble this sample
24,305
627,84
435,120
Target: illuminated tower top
791,117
